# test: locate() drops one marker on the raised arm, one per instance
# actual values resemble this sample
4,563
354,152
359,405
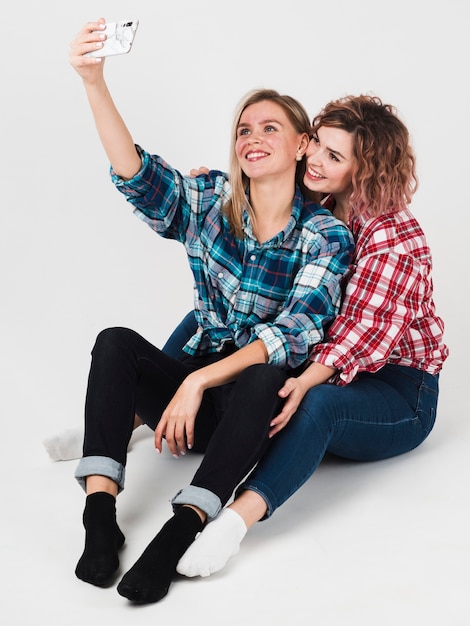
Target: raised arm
115,137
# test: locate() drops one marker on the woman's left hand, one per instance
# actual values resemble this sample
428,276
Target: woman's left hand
178,419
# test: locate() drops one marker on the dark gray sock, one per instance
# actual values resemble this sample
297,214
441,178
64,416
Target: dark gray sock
103,539
150,577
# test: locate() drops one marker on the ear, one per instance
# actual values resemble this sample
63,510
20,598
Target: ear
302,149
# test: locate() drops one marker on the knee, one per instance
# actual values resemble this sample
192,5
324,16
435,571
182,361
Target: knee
319,403
110,341
262,376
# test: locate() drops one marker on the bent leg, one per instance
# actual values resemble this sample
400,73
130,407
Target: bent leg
246,409
377,416
235,424
239,440
121,359
128,375
236,446
68,444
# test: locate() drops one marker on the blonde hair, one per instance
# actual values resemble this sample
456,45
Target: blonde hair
385,178
299,119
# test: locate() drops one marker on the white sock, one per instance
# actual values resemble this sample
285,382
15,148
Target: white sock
66,445
211,550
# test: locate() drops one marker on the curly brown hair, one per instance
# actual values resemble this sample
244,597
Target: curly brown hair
384,179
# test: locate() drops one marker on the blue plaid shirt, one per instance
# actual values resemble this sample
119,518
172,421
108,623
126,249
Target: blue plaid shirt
284,291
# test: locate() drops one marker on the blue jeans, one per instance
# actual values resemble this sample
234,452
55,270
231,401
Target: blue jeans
180,336
375,417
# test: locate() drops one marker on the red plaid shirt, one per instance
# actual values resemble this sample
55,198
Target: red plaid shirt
388,313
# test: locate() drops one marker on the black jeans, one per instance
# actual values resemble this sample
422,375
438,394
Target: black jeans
129,375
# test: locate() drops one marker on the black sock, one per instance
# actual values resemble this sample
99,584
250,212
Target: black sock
103,538
150,577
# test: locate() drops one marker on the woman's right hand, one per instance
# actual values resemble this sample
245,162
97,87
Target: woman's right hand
293,392
115,137
88,39
176,424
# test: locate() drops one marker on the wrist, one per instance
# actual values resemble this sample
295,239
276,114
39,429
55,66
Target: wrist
316,374
196,381
95,85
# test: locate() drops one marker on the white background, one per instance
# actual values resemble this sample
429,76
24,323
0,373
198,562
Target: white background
381,544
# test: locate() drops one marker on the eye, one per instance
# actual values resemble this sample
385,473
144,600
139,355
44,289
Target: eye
269,129
243,131
333,157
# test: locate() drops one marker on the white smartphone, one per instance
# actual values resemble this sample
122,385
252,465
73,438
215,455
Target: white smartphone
119,38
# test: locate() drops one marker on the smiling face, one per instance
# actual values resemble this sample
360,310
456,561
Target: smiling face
267,143
330,162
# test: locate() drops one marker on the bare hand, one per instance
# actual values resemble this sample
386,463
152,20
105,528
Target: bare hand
177,421
87,40
293,391
201,170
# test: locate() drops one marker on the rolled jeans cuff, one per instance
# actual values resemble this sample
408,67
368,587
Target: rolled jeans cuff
100,466
200,497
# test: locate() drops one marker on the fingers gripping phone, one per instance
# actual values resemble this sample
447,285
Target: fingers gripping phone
119,38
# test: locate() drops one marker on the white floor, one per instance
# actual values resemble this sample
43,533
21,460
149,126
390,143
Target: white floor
361,544
385,544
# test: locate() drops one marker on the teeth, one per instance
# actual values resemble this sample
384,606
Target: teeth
255,155
314,174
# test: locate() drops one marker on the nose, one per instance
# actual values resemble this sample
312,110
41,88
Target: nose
254,137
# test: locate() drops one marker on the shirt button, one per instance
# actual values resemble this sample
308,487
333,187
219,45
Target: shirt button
252,257
220,274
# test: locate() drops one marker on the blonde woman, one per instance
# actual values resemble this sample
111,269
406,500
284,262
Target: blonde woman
267,264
